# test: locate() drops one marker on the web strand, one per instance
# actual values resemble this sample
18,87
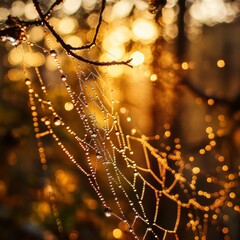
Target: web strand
123,163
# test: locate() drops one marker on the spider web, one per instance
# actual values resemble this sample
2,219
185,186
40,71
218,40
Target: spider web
149,183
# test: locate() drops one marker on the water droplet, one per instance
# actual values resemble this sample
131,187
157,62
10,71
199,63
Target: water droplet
99,155
64,77
108,212
53,53
57,121
130,229
27,81
135,172
94,135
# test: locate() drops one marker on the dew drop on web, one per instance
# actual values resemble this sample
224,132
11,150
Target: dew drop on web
53,53
64,78
99,155
107,212
57,121
27,81
94,135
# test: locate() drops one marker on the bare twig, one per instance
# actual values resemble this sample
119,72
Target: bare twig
46,15
15,26
67,46
88,46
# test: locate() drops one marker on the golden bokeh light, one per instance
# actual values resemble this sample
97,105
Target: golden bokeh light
150,32
153,77
15,56
117,233
67,25
66,180
35,59
196,170
43,209
117,36
4,12
122,9
210,101
15,74
225,230
137,58
117,52
17,8
221,63
71,6
68,106
30,11
168,15
89,5
73,40
206,11
92,20
185,66
36,34
50,63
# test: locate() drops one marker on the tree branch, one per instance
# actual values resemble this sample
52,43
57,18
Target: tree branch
68,48
15,29
46,15
88,46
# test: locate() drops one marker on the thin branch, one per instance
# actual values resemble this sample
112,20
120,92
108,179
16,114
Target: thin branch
88,46
16,26
56,3
68,48
46,15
